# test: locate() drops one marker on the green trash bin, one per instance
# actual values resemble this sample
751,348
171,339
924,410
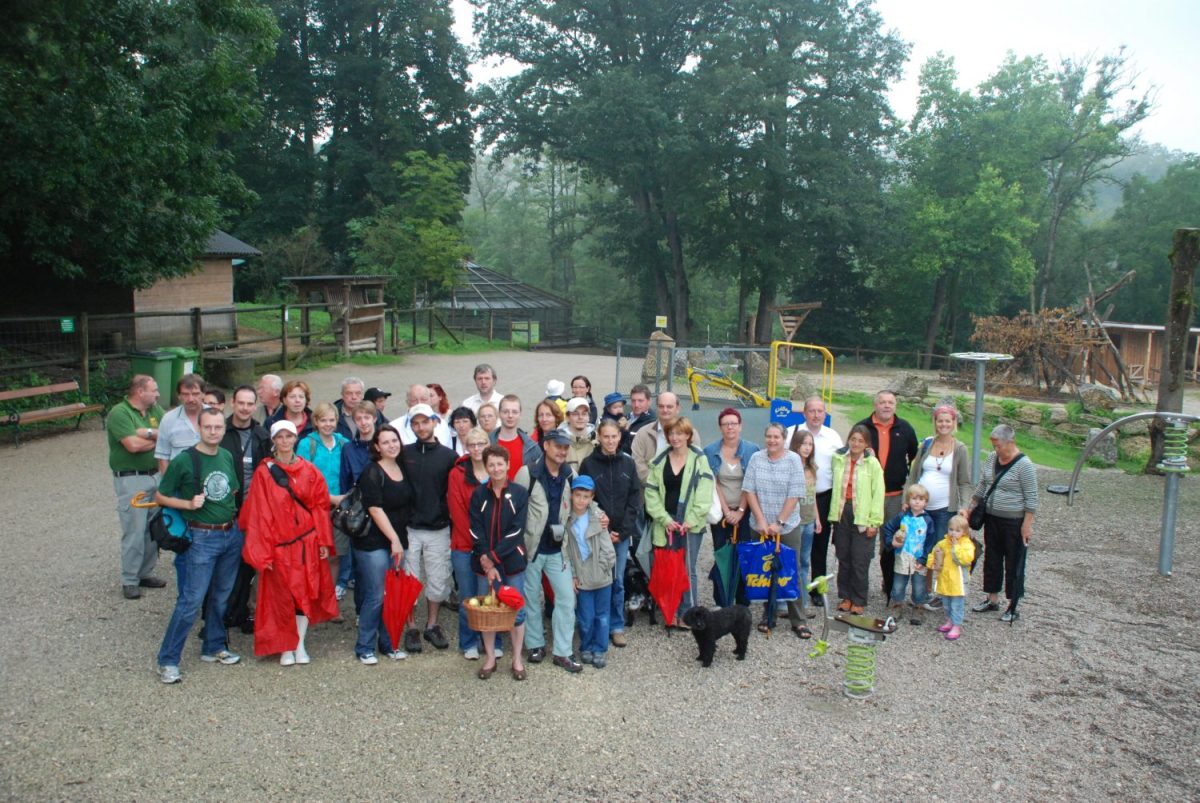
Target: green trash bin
183,362
158,365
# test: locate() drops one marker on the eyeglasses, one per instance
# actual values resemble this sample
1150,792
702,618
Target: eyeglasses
476,443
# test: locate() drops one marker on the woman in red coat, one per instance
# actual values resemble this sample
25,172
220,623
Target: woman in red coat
288,539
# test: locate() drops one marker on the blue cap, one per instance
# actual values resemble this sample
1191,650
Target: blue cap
584,482
556,436
613,398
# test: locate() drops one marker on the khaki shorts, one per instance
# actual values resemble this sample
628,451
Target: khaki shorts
428,557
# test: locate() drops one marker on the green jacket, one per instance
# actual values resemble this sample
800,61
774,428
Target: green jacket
596,571
696,503
868,490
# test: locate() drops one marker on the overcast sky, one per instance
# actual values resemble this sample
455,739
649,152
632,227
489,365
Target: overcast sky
1160,37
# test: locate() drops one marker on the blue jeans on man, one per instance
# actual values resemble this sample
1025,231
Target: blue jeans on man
370,571
616,616
212,559
558,572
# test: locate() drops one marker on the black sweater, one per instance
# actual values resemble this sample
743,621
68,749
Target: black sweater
618,491
427,468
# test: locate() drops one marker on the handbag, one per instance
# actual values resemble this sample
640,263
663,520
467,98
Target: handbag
168,528
350,516
975,520
767,562
715,514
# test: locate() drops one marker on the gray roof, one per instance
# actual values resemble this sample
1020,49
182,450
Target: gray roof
221,244
481,288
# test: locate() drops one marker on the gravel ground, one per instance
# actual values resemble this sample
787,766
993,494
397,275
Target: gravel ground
1093,694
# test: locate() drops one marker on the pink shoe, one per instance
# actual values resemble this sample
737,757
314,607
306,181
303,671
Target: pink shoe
954,633
946,627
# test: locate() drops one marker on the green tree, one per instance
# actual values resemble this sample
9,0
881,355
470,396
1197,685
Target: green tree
111,112
418,239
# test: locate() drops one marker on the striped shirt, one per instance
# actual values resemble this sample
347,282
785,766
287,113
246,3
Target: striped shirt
1015,494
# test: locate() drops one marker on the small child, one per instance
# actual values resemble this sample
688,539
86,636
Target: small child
950,561
554,393
590,549
908,534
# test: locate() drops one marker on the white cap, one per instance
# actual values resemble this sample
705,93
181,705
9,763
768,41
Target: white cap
420,409
555,388
281,425
575,403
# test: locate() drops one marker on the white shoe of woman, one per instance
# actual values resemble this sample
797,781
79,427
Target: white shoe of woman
287,659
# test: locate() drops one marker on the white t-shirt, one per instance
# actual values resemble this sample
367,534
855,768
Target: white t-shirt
441,432
475,402
936,479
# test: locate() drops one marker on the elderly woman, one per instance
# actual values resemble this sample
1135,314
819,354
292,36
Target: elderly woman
774,488
856,513
943,467
1008,490
728,457
679,493
289,536
462,421
296,398
468,473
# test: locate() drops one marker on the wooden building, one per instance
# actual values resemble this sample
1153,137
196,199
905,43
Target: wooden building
496,306
1141,348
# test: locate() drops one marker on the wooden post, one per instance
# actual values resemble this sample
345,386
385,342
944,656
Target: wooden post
1185,254
491,324
84,366
305,325
283,336
429,322
198,336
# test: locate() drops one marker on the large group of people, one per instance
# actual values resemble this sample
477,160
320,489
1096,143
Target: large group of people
467,501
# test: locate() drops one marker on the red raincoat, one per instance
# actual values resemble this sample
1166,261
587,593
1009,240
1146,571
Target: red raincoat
282,544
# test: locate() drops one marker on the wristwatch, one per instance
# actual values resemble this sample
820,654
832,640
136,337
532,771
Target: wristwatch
781,522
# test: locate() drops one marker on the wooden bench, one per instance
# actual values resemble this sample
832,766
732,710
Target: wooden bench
16,418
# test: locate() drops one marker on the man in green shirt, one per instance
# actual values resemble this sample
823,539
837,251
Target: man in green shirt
202,483
132,428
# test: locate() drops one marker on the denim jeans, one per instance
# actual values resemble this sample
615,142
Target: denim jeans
345,569
691,597
805,557
941,525
592,612
212,559
900,585
616,615
469,585
370,569
558,572
955,606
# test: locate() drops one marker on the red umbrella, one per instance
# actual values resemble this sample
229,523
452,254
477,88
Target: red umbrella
668,581
400,592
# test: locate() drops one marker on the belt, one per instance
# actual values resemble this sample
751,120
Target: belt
143,473
211,527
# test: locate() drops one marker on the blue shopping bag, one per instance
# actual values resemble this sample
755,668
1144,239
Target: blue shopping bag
768,562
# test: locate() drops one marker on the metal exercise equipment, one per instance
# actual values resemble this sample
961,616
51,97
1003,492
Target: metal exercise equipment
1173,464
981,359
864,634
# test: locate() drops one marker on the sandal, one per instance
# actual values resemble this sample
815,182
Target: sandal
486,672
856,610
519,674
763,627
844,605
802,632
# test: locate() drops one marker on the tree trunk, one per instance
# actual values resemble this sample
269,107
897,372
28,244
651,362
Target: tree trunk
935,321
1185,253
764,321
681,325
743,296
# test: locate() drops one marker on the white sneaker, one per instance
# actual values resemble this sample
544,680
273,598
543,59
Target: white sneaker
302,656
397,655
339,592
499,653
471,654
287,659
368,660
169,674
222,657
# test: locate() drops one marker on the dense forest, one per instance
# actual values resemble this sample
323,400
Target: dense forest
704,159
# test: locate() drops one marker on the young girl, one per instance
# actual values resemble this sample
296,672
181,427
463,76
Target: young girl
856,514
911,535
804,445
951,565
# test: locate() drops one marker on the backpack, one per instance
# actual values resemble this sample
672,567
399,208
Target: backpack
168,528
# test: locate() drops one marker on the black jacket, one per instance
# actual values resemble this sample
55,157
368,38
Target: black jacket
618,491
427,467
498,530
344,427
900,454
260,447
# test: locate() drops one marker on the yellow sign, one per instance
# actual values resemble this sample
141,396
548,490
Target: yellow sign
660,321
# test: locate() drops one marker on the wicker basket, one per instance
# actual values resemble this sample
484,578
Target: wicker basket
492,620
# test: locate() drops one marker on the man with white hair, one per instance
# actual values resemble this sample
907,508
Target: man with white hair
420,395
825,443
353,389
270,387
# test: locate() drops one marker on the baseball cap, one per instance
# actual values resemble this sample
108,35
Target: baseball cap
575,403
420,409
283,425
374,394
556,436
583,481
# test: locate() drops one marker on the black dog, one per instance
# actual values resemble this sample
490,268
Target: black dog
637,593
709,624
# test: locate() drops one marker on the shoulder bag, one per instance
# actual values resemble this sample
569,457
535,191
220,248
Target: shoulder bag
168,528
975,522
